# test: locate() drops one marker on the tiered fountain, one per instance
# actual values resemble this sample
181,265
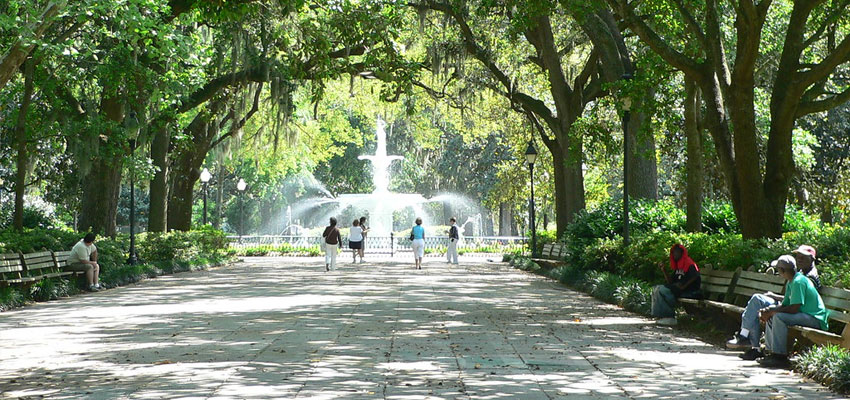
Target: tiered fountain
379,205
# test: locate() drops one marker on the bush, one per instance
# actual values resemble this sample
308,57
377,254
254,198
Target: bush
32,240
160,253
829,365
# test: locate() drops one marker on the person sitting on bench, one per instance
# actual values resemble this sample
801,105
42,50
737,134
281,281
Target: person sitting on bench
750,334
802,306
685,282
84,258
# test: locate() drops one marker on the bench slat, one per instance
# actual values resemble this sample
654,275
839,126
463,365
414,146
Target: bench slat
760,286
839,316
835,292
817,336
836,303
762,277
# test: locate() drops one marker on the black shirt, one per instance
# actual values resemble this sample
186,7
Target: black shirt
680,276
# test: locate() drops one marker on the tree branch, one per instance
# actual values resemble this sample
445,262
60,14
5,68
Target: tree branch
18,52
811,107
655,41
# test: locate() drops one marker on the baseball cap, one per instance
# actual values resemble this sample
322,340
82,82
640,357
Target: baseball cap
806,249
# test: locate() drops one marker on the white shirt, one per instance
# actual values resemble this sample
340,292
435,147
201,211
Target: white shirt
80,252
356,234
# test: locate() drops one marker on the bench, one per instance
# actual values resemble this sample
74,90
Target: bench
729,291
553,254
838,302
12,271
42,265
716,287
60,259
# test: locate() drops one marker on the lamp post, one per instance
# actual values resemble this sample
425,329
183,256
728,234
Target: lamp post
530,157
205,178
627,105
241,187
131,123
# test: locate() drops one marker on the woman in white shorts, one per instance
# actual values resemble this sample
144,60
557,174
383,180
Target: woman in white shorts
417,235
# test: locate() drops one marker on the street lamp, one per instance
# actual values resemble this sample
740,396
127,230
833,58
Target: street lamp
241,187
131,123
205,178
627,113
530,157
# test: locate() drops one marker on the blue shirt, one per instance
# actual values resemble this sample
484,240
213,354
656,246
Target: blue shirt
418,232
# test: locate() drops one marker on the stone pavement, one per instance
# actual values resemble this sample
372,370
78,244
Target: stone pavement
283,328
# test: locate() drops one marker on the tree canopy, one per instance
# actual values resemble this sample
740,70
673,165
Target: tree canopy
741,102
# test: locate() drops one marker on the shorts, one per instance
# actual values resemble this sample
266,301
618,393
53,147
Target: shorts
355,245
79,267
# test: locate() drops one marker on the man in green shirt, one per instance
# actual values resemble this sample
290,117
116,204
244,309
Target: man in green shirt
802,306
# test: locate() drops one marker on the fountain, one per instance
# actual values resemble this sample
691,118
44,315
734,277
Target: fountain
380,205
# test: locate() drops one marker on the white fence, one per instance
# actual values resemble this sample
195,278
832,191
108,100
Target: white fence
434,245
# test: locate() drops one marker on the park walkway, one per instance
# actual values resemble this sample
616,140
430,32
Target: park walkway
283,328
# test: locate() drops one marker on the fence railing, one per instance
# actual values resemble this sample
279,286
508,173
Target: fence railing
390,245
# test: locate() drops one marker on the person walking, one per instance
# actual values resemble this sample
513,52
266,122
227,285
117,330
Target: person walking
364,231
417,236
355,240
454,236
332,243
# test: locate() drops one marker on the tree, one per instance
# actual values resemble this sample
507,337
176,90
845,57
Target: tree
568,86
799,77
28,37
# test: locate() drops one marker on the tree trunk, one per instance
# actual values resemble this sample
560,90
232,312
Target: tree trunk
505,219
695,163
184,175
159,185
22,158
643,171
568,182
219,196
102,184
186,169
826,214
101,187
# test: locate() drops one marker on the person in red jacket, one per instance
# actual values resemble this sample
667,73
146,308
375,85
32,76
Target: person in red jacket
683,282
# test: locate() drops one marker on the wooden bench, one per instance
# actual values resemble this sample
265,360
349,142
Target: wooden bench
12,271
716,287
729,291
60,259
42,265
553,254
838,302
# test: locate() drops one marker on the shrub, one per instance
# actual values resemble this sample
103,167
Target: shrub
167,249
32,240
634,295
51,289
164,253
828,364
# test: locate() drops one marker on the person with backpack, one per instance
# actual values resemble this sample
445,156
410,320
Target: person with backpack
332,244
